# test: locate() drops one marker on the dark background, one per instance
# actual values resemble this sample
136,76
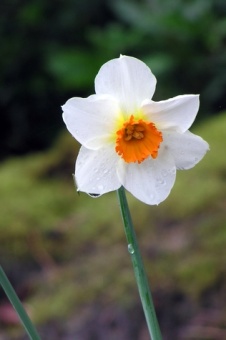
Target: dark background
52,50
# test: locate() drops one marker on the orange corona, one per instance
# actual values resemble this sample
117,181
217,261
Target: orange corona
137,140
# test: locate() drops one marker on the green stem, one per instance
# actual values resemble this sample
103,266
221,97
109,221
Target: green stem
140,275
10,292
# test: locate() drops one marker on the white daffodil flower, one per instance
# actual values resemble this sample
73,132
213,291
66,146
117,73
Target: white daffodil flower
127,138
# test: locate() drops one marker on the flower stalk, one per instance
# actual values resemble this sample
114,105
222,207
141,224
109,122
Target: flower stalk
13,298
139,271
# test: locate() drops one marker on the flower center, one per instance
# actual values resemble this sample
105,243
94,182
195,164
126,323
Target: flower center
137,140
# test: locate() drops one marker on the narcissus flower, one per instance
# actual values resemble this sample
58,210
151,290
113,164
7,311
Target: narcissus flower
127,138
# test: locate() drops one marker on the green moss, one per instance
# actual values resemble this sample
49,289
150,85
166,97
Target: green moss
80,242
196,273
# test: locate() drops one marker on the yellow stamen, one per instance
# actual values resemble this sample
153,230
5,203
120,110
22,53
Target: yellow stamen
137,140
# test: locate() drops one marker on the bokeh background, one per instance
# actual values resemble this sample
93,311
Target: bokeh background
65,254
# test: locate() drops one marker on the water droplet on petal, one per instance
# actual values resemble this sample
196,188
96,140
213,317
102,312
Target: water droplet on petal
152,196
93,195
173,171
100,187
130,249
160,181
164,173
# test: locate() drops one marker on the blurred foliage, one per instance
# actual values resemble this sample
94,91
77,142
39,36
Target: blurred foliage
51,238
51,51
65,252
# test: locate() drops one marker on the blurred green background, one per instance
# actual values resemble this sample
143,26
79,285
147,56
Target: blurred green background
66,258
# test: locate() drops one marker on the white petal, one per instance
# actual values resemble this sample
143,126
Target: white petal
187,149
91,120
150,181
176,114
95,171
127,79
